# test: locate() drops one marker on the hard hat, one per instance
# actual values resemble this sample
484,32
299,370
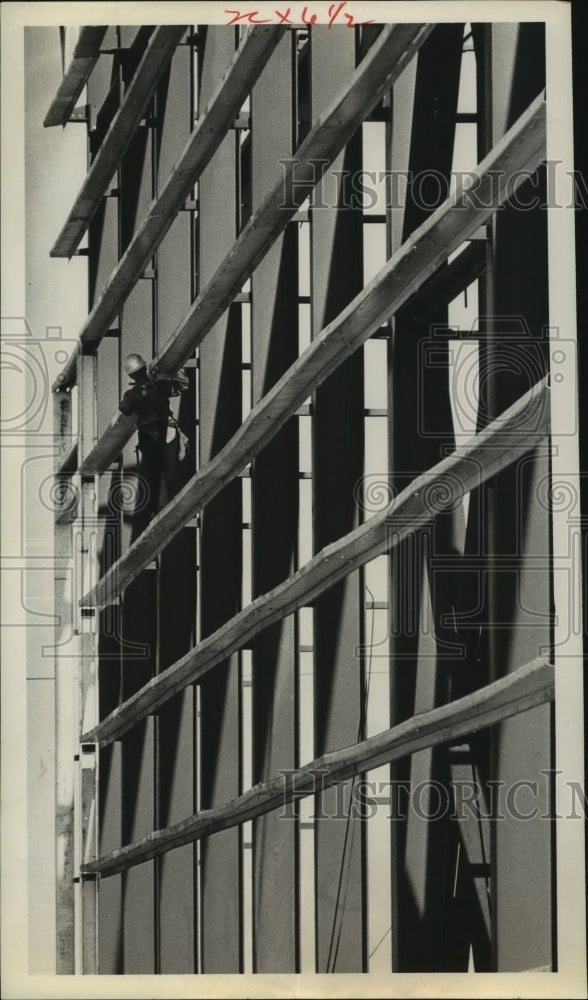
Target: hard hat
133,363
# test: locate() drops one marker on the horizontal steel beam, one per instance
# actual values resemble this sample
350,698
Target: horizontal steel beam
138,94
392,51
512,434
245,68
416,260
83,61
521,690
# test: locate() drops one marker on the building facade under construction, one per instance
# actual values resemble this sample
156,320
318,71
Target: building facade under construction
312,720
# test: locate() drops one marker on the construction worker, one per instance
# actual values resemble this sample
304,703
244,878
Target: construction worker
161,443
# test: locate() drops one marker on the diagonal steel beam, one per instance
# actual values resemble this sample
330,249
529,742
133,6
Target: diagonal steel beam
508,437
248,62
139,92
395,47
521,150
83,61
530,685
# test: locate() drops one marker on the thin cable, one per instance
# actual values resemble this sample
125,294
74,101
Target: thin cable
384,936
350,830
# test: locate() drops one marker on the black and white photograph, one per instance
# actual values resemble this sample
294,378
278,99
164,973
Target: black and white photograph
292,501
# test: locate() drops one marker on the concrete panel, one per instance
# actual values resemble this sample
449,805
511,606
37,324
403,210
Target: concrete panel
177,589
138,820
41,824
110,922
176,760
337,466
174,277
175,255
110,925
139,621
109,390
274,290
220,416
520,598
136,184
174,112
176,869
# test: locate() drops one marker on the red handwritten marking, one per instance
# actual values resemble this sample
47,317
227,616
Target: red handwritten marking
308,18
248,16
337,11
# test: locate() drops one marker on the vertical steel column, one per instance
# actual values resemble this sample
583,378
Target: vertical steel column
398,132
520,595
220,416
104,91
177,577
65,738
85,534
568,519
274,290
139,615
338,465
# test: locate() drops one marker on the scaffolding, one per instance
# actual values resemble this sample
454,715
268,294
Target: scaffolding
349,594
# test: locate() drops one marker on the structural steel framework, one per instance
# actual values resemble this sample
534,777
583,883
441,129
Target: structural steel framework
348,590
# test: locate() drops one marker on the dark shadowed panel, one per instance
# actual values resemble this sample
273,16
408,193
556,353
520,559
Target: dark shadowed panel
421,431
103,99
139,601
337,466
220,415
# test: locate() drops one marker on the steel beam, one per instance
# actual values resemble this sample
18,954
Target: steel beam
532,684
385,61
87,679
228,97
521,150
443,286
513,434
84,59
139,92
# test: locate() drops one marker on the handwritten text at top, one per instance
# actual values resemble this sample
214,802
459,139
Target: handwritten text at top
335,14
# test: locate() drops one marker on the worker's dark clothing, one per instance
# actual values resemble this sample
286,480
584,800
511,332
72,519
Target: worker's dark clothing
149,398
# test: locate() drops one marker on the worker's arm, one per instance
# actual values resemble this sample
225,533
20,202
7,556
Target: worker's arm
128,403
177,383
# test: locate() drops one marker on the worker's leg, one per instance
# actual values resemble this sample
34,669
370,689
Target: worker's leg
151,471
170,468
